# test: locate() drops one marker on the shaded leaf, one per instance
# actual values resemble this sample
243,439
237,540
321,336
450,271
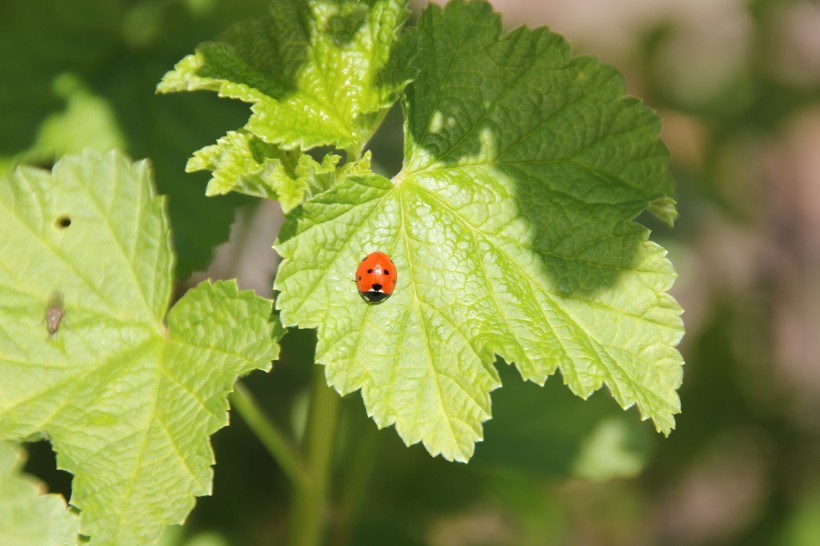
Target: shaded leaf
512,228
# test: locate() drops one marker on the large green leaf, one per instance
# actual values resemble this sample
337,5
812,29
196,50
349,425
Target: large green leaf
512,228
127,396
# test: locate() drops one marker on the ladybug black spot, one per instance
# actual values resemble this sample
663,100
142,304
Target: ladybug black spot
377,287
360,277
386,271
370,271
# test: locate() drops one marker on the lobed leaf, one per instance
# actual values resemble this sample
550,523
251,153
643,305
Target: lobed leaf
512,228
127,398
319,73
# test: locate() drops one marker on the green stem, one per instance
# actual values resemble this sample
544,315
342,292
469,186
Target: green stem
274,440
308,515
354,489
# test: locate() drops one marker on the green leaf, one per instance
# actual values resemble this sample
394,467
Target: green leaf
318,73
127,396
87,122
314,71
241,162
512,229
28,517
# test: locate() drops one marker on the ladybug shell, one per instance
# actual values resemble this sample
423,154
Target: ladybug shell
376,277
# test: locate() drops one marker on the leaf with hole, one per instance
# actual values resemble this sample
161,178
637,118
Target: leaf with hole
127,391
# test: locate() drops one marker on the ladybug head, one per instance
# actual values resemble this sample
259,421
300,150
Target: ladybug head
372,296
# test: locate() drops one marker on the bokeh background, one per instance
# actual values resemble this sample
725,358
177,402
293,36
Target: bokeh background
737,84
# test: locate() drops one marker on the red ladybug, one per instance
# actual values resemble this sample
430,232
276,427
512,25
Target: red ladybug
376,277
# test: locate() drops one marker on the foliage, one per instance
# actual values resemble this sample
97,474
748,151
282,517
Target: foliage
84,77
511,222
126,395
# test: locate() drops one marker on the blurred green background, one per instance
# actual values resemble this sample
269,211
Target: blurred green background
738,86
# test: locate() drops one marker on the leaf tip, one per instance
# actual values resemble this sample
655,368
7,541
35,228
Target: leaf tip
665,209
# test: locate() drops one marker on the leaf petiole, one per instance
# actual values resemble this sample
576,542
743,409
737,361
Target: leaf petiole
308,510
274,439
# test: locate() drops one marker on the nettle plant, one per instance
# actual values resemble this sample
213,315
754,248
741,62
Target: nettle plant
511,224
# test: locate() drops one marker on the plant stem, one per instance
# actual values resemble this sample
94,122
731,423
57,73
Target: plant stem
274,440
308,512
356,481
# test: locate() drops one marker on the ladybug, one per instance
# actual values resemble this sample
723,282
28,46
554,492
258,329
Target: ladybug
376,277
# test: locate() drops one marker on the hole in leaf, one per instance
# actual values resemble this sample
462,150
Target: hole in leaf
62,222
42,463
